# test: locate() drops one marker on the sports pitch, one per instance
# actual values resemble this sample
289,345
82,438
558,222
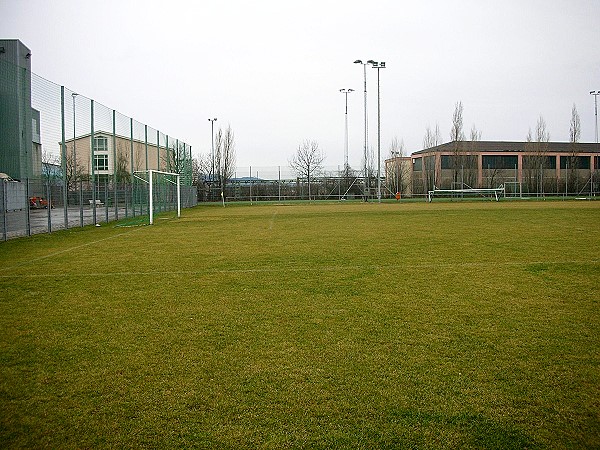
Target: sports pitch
341,325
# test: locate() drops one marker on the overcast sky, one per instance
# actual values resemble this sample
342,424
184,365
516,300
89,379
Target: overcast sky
272,69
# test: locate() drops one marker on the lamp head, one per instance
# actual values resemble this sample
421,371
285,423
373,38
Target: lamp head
358,61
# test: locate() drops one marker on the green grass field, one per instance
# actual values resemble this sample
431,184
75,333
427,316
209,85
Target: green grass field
442,325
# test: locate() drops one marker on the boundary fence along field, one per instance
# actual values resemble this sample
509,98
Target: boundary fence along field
83,156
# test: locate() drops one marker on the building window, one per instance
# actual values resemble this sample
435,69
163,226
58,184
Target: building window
539,161
575,162
417,165
101,162
502,162
100,153
100,144
447,161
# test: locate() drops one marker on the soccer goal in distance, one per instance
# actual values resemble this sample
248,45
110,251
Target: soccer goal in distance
155,192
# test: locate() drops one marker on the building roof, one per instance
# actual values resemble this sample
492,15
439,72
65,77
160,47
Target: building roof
504,146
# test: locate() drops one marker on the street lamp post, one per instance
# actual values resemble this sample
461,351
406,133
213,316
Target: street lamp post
378,65
212,133
346,92
358,61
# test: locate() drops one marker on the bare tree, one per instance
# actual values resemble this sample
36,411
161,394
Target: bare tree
470,159
475,134
572,180
397,175
122,164
49,162
75,172
177,159
464,163
307,161
224,156
456,132
432,138
201,168
457,135
575,129
534,164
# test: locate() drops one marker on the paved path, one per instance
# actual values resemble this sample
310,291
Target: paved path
14,223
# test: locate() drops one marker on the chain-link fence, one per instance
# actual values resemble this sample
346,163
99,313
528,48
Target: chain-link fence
69,161
279,183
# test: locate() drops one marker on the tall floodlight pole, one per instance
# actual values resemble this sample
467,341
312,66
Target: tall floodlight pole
358,61
378,65
596,94
346,92
212,140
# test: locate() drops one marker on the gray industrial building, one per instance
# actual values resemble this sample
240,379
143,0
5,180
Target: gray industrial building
20,143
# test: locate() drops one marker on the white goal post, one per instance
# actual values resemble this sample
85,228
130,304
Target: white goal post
152,176
482,192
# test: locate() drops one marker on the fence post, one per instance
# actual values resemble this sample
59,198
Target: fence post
167,153
49,203
114,142
106,198
4,204
131,145
28,218
146,144
64,156
81,203
132,166
92,153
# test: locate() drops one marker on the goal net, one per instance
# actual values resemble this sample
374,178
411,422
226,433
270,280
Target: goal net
155,192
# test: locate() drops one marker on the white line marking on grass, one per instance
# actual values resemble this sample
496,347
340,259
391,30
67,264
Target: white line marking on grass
272,221
287,269
67,250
